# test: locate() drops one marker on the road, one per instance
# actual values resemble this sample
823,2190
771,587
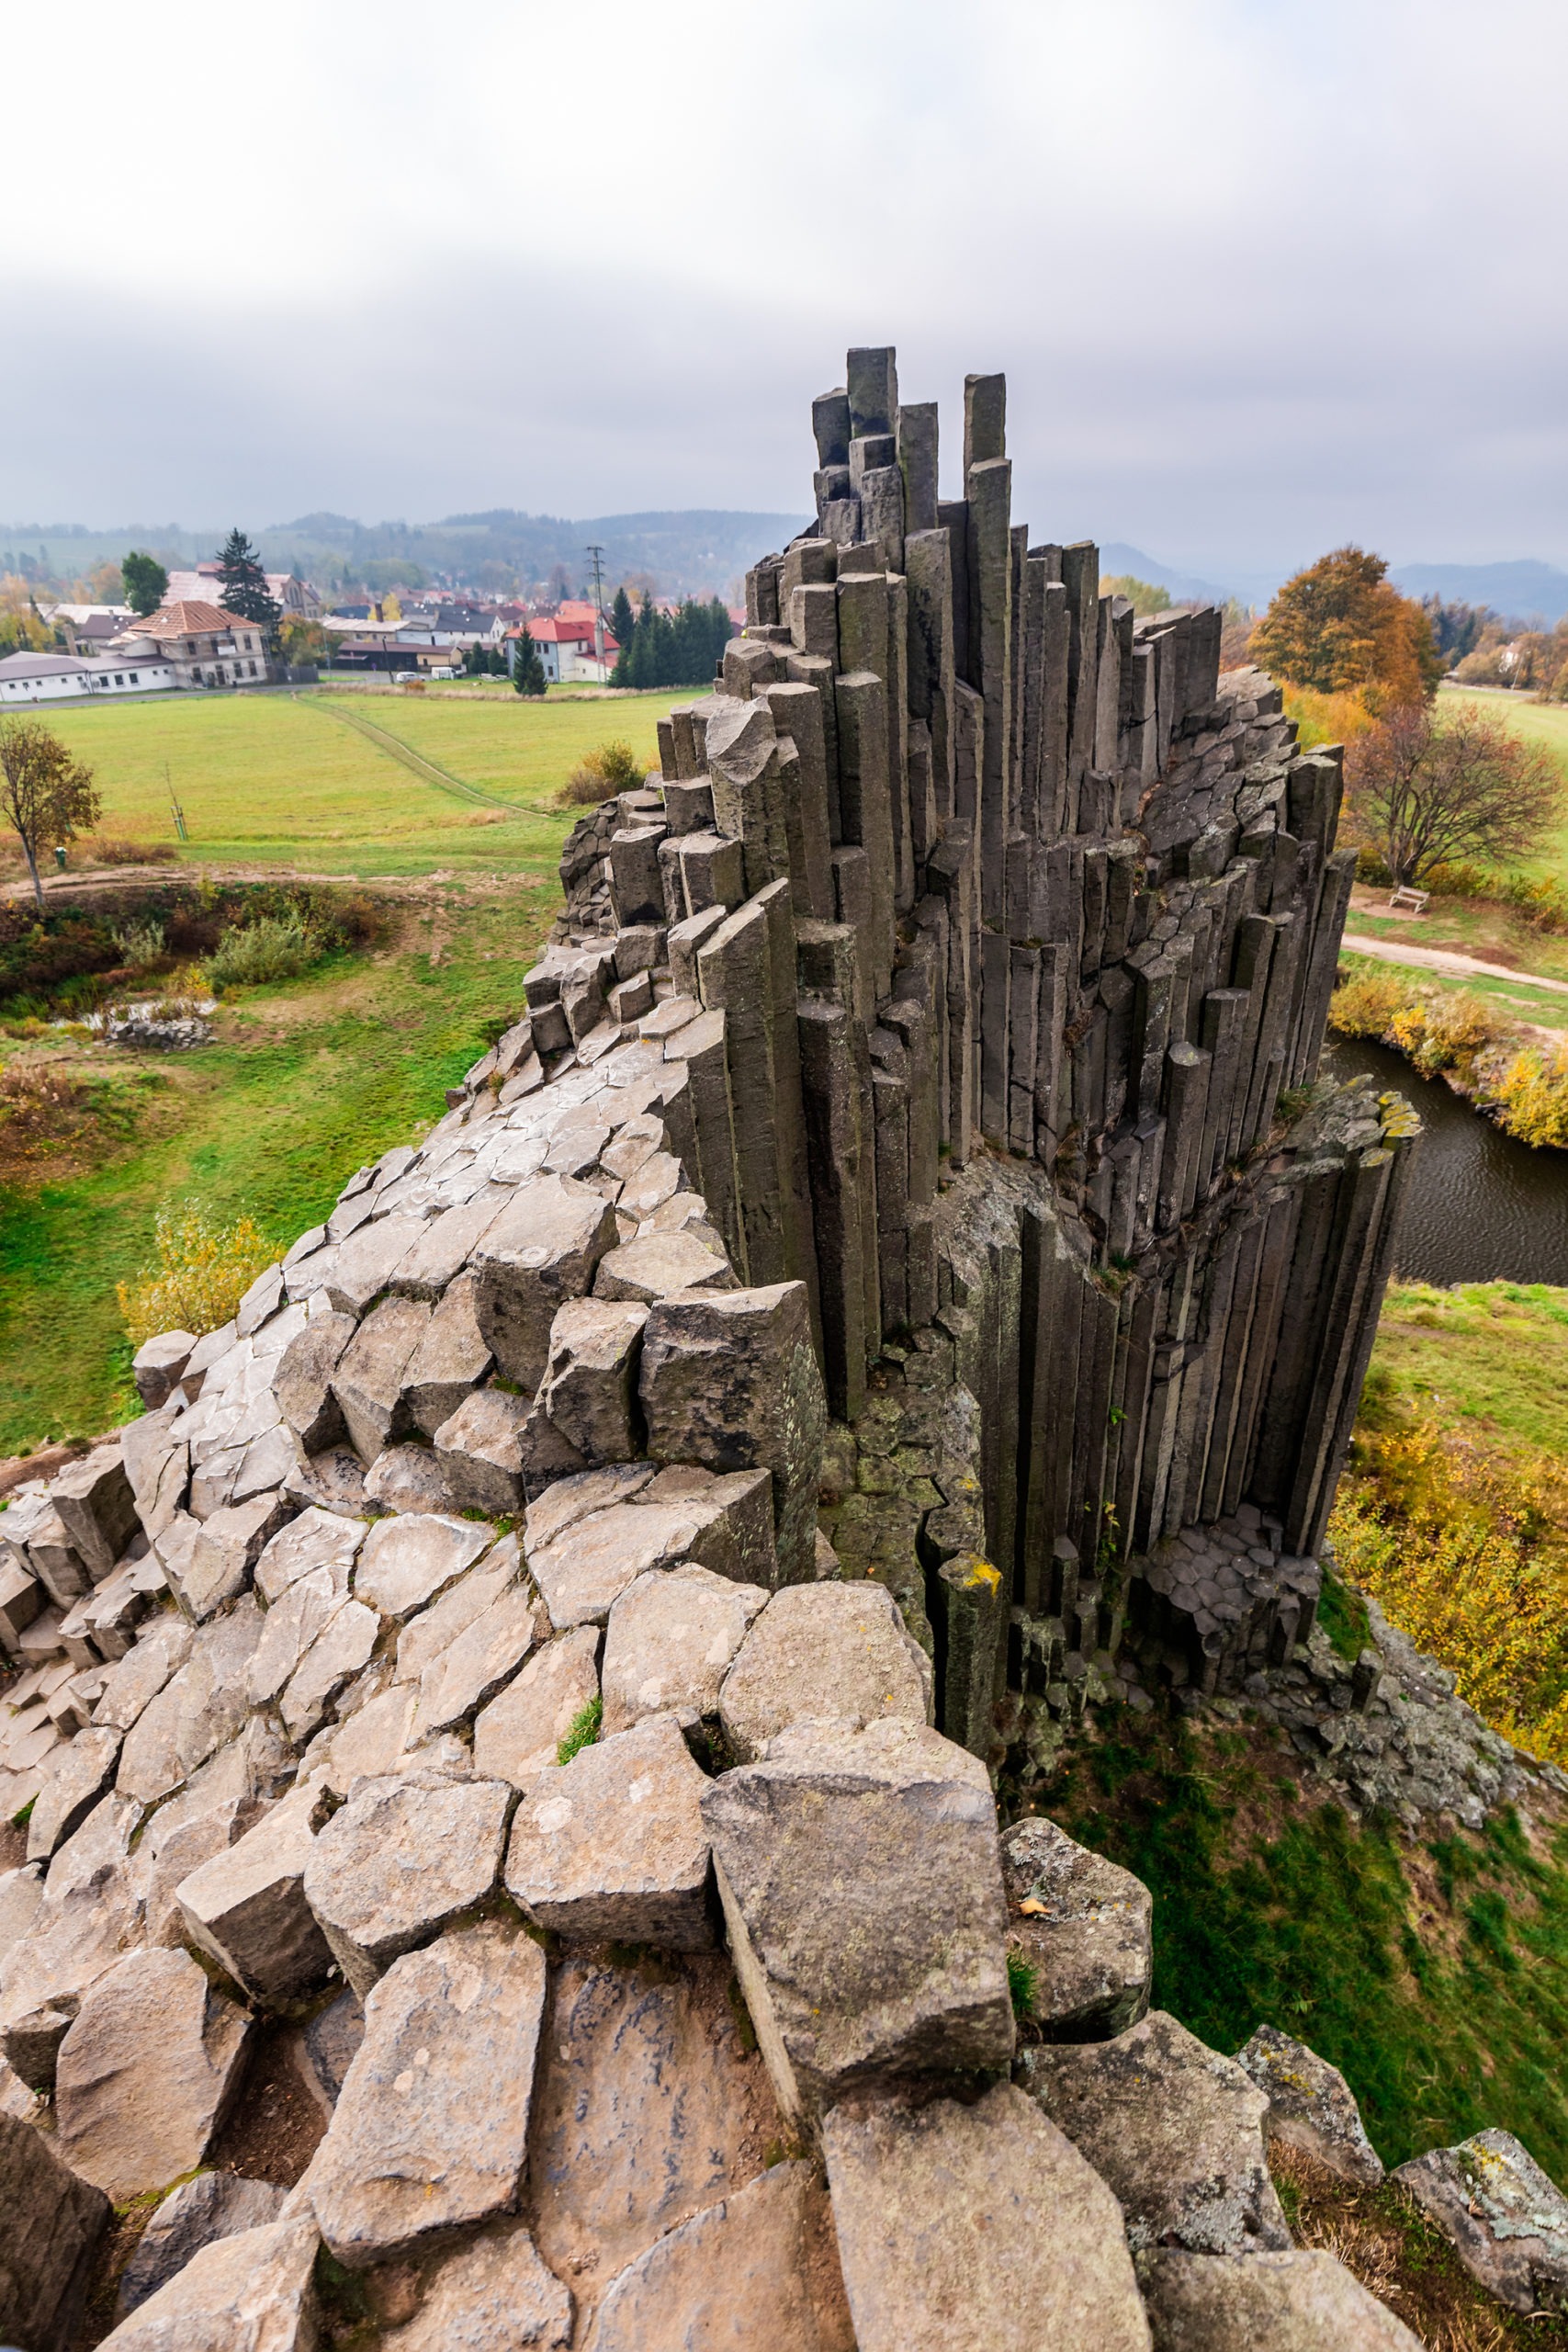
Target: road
1444,959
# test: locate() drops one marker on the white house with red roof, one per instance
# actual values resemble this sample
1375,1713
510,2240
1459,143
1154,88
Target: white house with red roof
574,645
204,645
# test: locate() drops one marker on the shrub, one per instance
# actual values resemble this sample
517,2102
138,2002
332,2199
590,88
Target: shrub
276,947
1364,1005
104,848
609,767
203,1271
1458,1550
1532,1097
1540,899
1433,1028
141,944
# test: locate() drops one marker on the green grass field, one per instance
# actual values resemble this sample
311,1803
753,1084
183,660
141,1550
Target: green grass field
1514,999
307,1078
291,781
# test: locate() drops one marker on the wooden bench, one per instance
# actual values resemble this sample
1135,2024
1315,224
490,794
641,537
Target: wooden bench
1403,896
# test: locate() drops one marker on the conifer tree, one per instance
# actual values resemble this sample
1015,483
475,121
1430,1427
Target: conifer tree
622,619
528,671
244,590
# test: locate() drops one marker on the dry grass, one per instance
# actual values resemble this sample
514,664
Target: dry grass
1384,2240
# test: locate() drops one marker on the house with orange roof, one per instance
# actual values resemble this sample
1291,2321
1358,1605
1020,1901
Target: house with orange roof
204,645
573,643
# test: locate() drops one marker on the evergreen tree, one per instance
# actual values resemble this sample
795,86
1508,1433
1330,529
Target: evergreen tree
244,590
145,583
528,672
622,619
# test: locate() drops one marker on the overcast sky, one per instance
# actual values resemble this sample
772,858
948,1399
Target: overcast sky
1264,275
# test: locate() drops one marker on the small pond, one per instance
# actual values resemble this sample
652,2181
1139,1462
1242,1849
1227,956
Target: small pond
1482,1207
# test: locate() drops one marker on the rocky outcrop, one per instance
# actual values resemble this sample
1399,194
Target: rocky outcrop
542,1663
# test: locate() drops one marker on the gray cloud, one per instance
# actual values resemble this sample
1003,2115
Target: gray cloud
1263,276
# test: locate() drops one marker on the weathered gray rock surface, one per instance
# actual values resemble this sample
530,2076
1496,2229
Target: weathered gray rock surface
251,2292
1506,2220
146,2072
862,1894
977,2229
612,1847
431,2129
824,1651
54,2222
490,2295
1311,2106
1266,2302
519,1734
1175,2131
214,2205
672,1638
1081,1925
405,1856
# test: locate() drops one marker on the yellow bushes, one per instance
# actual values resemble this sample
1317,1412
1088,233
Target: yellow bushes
1532,1097
1465,1553
1524,1087
1328,718
204,1269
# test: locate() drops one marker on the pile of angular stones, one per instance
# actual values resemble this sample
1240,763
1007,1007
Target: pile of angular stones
166,1028
683,2038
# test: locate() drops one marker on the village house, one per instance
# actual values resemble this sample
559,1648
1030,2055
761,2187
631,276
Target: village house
573,645
64,677
205,645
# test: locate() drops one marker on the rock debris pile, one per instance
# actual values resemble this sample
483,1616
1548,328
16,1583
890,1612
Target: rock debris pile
537,1674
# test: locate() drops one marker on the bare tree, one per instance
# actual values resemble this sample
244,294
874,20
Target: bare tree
1428,788
45,794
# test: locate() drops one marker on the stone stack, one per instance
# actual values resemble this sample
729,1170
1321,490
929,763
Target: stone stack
899,1257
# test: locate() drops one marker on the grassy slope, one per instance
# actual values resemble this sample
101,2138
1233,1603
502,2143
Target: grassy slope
1512,1000
277,778
1487,1359
1433,1971
308,1079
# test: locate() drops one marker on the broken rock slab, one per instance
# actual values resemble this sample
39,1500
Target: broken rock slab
590,1384
862,1893
208,1561
337,1653
976,2228
251,2292
822,1651
753,2271
406,1562
491,2294
672,1638
1311,2106
1082,1925
214,2205
1176,2130
157,1364
1506,2220
410,1477
75,1778
543,1247
245,1905
478,1663
405,1856
434,1629
650,2106
518,1735
431,2129
611,1845
146,2073
54,2222
480,1450
96,1507
1265,2302
730,1380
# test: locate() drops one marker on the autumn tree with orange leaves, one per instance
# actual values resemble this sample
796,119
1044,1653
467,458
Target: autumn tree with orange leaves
1340,625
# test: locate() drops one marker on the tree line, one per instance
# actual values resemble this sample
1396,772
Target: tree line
659,649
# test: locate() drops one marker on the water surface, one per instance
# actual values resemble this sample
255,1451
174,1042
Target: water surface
1481,1207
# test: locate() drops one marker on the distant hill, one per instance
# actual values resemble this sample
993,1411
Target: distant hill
696,551
1118,560
1517,591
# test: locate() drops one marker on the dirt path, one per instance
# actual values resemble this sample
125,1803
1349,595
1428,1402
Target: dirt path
1445,959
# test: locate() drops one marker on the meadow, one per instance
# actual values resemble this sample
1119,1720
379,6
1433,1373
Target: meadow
295,781
307,1078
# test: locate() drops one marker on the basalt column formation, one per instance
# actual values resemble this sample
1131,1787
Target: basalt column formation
1013,926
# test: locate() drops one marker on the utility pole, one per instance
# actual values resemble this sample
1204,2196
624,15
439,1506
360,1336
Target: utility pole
598,555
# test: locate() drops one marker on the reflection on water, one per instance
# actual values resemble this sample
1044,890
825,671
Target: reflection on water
1481,1207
